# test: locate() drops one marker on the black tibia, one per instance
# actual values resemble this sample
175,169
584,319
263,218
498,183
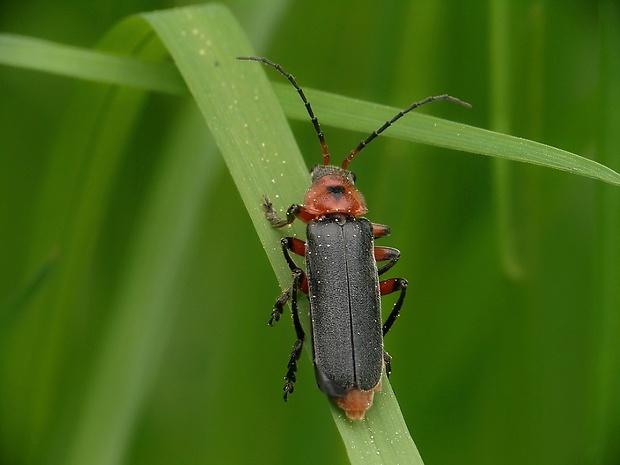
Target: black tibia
387,287
289,386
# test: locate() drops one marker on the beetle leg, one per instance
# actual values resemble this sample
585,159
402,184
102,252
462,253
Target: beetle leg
298,247
386,253
300,282
387,359
289,386
387,287
380,230
274,219
278,307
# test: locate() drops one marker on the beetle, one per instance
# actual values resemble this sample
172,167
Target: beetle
341,277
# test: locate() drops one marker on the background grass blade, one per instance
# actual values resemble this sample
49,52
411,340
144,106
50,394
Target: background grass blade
10,310
73,199
606,381
144,310
500,93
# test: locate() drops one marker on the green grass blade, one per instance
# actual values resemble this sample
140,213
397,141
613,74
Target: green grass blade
605,380
260,156
144,309
91,65
348,113
10,309
500,95
249,126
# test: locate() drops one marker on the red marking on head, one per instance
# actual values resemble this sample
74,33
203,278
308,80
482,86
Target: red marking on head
334,193
356,402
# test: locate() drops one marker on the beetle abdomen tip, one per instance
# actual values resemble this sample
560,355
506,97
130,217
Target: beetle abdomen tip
356,402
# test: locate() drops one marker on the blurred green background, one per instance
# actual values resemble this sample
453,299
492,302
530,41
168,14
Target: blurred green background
507,349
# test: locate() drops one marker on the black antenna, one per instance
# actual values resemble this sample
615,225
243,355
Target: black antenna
373,135
387,124
291,79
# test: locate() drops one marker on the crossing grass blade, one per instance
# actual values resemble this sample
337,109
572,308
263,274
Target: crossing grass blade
335,110
356,115
91,65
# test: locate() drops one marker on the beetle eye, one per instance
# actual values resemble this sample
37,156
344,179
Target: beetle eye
335,189
354,177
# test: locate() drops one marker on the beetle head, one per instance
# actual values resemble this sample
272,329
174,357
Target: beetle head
333,191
